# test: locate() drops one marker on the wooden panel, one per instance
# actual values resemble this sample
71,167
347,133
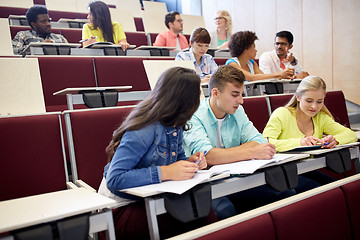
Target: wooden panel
317,40
5,38
265,25
346,50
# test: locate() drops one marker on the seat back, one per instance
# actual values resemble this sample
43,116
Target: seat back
335,102
6,11
136,38
89,132
260,227
32,155
279,100
139,24
72,35
155,7
256,109
124,17
220,61
153,22
352,195
314,218
58,73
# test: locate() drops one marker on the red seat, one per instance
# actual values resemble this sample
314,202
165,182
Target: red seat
279,100
260,227
31,156
6,11
323,216
136,38
220,61
257,111
352,196
335,102
139,24
92,131
72,35
58,73
56,15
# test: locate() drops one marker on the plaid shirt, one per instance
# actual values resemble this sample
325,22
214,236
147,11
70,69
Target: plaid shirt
24,38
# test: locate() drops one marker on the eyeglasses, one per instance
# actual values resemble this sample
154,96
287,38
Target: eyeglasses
179,20
218,18
283,44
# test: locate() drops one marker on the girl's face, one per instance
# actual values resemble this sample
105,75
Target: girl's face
89,16
252,51
311,102
199,49
220,21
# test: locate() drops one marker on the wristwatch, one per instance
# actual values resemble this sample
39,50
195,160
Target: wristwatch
294,62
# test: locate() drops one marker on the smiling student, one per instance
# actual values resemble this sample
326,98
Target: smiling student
305,120
204,63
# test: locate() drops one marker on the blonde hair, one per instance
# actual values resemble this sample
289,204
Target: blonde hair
225,14
309,83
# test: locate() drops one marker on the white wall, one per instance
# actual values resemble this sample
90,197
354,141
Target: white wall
326,34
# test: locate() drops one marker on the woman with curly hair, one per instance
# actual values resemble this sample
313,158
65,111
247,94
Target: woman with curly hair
101,28
242,49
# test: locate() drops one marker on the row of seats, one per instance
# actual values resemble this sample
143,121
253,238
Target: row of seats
74,35
5,12
36,143
328,212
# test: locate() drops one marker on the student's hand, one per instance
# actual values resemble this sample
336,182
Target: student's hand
124,44
287,73
89,41
289,58
180,170
206,79
199,159
263,151
309,141
328,142
47,40
302,75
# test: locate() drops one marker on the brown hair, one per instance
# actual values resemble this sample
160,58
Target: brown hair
172,102
200,35
225,74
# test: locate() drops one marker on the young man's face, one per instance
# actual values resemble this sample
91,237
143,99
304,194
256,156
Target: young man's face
228,100
282,46
42,25
177,25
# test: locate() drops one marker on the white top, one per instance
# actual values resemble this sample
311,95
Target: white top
269,62
219,141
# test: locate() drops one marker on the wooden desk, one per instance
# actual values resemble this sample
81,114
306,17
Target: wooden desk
37,48
29,211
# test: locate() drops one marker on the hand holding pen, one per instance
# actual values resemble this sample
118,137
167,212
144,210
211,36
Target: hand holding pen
328,142
88,41
200,159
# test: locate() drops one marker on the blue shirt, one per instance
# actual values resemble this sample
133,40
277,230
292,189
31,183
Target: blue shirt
235,130
140,154
250,64
206,67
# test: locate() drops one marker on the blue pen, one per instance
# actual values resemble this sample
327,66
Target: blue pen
268,139
327,143
197,161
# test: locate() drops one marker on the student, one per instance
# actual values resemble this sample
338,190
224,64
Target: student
220,37
147,148
39,21
305,120
221,128
101,28
204,63
172,37
275,61
242,49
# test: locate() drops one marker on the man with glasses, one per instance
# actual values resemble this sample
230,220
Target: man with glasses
172,37
280,58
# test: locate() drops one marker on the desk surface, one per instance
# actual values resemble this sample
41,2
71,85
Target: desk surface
273,80
144,47
325,150
76,90
29,211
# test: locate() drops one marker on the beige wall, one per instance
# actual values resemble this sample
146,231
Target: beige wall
327,34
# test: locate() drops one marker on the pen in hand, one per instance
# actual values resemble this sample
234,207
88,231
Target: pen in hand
84,40
197,161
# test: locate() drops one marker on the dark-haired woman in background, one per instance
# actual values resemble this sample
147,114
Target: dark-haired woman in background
242,49
147,149
204,63
101,28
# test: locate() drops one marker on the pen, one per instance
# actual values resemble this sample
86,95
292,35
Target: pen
268,139
327,143
197,161
81,41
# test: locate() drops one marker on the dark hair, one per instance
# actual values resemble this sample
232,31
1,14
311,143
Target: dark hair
200,35
33,12
286,34
101,19
172,102
240,41
225,74
170,17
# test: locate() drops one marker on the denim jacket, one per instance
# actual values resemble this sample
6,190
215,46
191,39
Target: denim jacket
140,154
